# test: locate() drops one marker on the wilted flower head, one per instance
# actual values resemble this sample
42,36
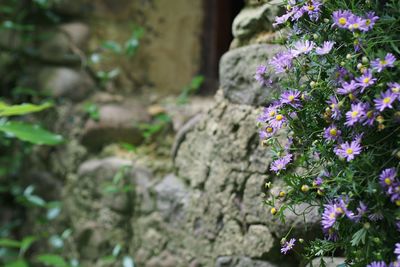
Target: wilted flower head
282,61
287,246
302,47
379,64
325,49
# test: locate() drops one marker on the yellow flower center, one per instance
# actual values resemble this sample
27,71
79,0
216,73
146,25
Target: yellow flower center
342,21
291,98
339,210
386,100
396,89
332,215
388,181
383,62
269,129
354,114
279,117
311,7
370,114
272,113
349,151
355,26
368,22
333,106
366,80
333,132
398,202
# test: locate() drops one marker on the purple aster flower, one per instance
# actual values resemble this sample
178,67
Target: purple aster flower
313,8
325,49
349,150
385,101
287,246
361,210
267,132
318,181
394,192
260,75
269,113
379,64
369,118
394,264
355,23
347,87
302,47
397,250
330,214
282,19
291,97
377,264
277,121
332,133
334,106
355,115
370,20
341,18
280,164
297,13
387,177
282,61
365,80
395,88
331,234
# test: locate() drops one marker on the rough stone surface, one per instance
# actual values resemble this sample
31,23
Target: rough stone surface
254,19
329,261
65,82
118,122
237,69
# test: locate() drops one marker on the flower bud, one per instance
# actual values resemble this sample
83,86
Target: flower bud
301,240
348,56
282,194
364,60
313,84
367,225
359,66
320,192
326,20
342,63
305,188
268,185
274,211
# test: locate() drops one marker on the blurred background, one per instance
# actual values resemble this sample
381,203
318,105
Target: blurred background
127,141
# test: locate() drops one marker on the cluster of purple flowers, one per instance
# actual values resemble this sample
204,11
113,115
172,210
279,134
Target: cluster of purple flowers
295,11
390,184
347,20
383,264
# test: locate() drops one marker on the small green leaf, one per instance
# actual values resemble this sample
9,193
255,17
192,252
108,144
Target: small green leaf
17,263
35,200
359,237
30,133
9,243
26,243
52,260
14,110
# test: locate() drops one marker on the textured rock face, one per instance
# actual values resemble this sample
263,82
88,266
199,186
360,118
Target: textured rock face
237,69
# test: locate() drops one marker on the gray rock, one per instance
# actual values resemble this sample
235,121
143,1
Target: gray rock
65,82
78,34
116,123
257,241
172,198
237,70
255,19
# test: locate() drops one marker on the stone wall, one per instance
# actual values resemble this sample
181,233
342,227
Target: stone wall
196,201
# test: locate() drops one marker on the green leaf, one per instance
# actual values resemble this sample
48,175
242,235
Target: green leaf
52,260
35,200
14,110
9,243
17,263
112,46
26,243
30,133
359,237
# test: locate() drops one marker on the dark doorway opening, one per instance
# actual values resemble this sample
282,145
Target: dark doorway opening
217,37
